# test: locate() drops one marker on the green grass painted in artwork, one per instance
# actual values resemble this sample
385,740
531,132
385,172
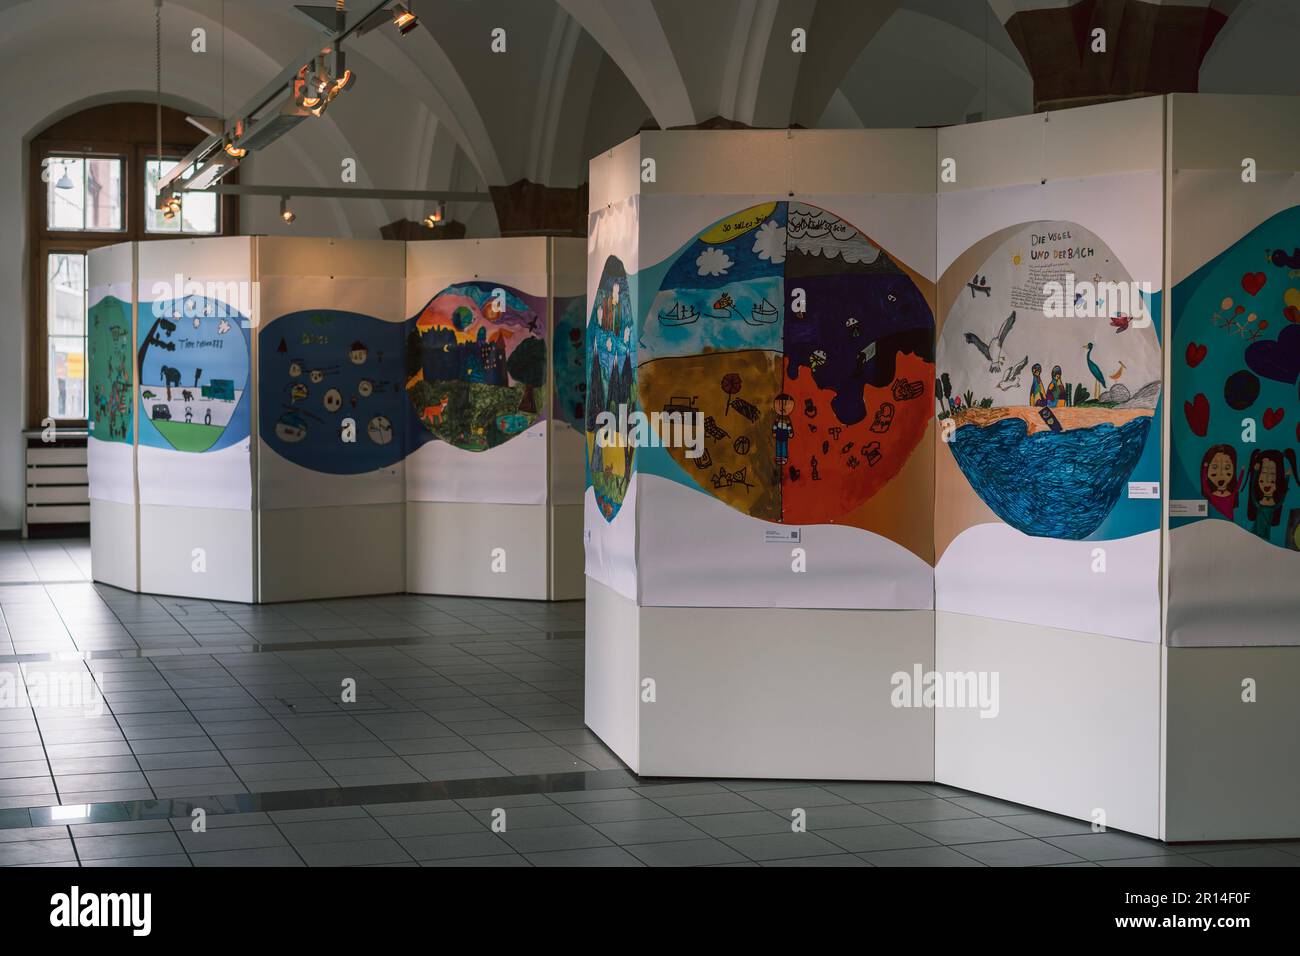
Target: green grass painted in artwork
185,436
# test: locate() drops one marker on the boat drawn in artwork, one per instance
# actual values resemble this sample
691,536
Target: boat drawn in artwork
679,315
764,313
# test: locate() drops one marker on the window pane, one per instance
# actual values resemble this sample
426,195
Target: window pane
65,192
83,193
65,296
104,194
66,293
67,364
198,210
153,219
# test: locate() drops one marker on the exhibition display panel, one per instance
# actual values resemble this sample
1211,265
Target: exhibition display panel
1060,585
301,402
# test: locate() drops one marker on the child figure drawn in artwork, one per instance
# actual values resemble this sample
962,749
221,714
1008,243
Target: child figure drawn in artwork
1056,393
782,428
1220,482
1271,473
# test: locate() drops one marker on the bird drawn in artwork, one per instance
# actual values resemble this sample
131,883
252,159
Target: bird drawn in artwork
993,348
1012,378
979,283
1121,322
1099,377
1118,373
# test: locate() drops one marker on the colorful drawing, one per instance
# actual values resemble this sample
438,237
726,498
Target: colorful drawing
1051,452
611,384
193,357
317,402
1236,328
476,359
773,318
568,360
111,363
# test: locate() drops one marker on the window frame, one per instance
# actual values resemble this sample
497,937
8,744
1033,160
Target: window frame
126,131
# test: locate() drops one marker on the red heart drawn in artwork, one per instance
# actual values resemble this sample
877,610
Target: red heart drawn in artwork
1292,313
1198,414
1252,282
1195,354
1272,416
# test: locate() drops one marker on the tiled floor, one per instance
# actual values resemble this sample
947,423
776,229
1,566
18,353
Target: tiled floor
464,745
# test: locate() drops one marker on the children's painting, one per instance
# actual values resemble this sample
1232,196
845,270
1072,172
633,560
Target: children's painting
331,390
193,359
568,358
1236,380
612,385
108,340
475,373
1049,380
807,350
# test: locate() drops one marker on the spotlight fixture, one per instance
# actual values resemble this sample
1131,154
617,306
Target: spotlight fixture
286,213
170,207
404,19
437,217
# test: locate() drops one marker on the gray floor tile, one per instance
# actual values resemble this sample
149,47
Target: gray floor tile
613,811
775,846
914,811
1022,852
835,860
588,856
890,836
262,856
1258,856
1110,846
554,838
975,830
353,853
650,831
920,856
686,853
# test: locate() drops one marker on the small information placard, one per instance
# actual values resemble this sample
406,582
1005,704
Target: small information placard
1189,508
781,536
1144,489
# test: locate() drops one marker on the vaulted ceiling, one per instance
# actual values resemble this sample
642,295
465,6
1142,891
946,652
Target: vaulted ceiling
439,110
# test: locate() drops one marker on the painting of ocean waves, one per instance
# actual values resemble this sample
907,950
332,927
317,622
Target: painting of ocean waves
1050,484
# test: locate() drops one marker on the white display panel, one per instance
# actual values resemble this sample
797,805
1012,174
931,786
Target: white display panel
1050,371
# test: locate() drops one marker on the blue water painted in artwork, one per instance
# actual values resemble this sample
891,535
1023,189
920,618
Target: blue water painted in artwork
1050,484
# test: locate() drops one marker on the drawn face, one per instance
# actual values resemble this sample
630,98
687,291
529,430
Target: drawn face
1219,473
380,430
365,387
783,405
1267,480
298,392
357,356
316,376
333,400
295,369
290,431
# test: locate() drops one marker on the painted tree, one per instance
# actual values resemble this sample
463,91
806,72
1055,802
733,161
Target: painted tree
527,365
947,389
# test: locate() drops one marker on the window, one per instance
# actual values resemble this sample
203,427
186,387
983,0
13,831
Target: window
83,193
93,182
199,211
65,299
